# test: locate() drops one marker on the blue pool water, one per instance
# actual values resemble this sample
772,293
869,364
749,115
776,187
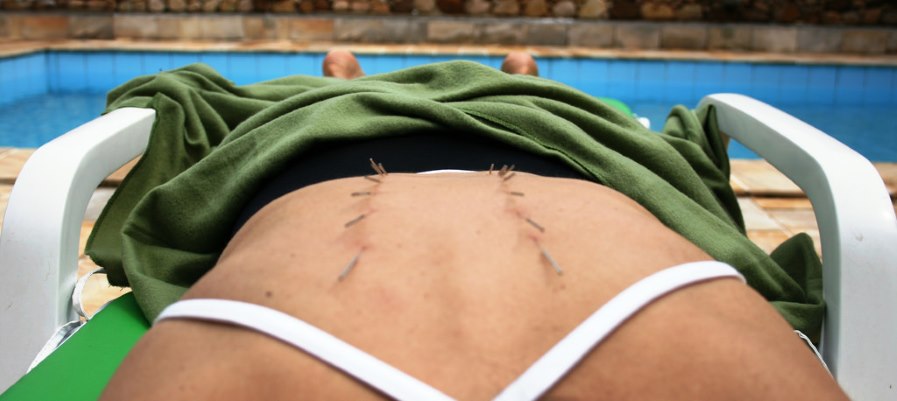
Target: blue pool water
46,93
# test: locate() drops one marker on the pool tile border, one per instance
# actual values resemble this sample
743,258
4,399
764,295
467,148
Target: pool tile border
632,76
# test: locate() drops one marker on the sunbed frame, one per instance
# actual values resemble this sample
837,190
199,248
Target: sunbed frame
858,229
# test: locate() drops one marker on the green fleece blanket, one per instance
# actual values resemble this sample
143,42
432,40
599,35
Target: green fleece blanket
214,143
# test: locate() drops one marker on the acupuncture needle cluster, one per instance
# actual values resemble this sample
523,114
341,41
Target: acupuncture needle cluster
504,174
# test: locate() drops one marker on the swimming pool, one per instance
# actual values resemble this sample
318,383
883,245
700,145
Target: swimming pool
49,92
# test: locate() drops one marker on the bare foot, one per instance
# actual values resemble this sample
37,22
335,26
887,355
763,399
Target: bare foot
520,63
341,64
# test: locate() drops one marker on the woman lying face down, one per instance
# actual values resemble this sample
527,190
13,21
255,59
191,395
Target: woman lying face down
462,281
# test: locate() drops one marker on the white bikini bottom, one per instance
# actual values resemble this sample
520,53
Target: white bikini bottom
537,379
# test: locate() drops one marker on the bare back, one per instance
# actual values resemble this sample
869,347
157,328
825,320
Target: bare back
463,281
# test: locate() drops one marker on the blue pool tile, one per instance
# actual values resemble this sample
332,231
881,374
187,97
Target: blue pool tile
587,75
39,69
216,60
821,85
418,60
52,69
6,79
793,85
593,76
736,78
564,70
390,63
370,63
877,85
489,61
649,80
709,78
316,60
243,68
683,71
23,82
867,93
301,63
594,89
621,79
484,60
182,59
894,86
849,85
127,66
766,82
429,59
543,66
458,57
156,62
20,65
495,61
271,66
680,81
72,71
101,72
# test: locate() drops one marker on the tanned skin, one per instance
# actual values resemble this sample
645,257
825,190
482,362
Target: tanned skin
451,285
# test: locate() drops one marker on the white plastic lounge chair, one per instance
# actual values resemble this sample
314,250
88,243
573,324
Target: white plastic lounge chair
38,246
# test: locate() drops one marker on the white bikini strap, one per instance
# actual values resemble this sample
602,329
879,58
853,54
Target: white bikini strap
540,377
552,366
293,331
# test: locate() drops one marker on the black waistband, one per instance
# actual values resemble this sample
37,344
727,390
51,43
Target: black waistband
400,154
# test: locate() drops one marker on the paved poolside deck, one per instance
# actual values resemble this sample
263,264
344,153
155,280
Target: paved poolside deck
774,208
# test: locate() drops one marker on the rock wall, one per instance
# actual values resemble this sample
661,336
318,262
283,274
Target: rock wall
817,12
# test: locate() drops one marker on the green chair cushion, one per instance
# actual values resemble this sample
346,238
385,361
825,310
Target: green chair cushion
81,367
617,105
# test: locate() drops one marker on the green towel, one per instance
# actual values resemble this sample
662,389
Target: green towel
214,143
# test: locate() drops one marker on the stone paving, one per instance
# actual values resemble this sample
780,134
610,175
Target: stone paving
774,208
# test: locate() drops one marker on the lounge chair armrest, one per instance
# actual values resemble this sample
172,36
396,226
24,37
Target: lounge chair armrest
41,229
858,231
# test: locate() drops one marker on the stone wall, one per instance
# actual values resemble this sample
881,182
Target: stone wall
817,12
335,28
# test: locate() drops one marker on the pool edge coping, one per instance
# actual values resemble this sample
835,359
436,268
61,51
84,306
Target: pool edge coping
18,48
